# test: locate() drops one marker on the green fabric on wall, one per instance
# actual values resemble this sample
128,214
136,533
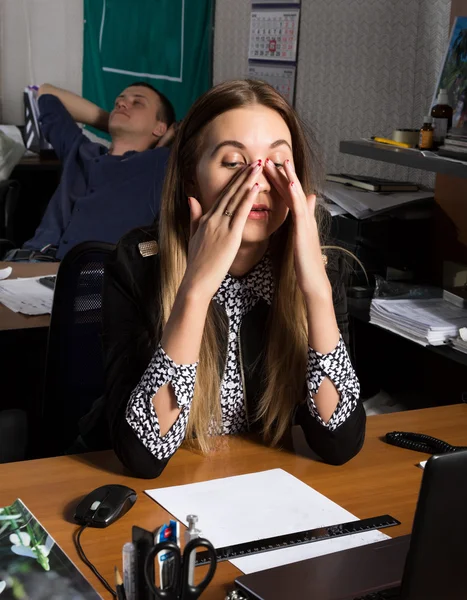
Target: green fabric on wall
167,43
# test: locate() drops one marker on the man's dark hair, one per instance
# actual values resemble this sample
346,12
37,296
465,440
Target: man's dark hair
166,112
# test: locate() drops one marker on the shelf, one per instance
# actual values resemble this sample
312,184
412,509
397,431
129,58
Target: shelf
405,157
360,310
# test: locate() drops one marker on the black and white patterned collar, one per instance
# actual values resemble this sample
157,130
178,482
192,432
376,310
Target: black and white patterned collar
258,283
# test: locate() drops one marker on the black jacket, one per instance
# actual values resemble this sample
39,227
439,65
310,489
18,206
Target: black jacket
130,337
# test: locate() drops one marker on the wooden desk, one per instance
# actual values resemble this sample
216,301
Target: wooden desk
36,163
381,479
10,320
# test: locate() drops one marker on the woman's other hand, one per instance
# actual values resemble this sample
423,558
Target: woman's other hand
215,237
309,265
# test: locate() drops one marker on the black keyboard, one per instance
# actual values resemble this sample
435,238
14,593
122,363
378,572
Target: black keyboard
391,594
48,281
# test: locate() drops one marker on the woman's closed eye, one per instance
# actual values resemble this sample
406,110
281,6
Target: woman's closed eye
278,159
232,165
236,164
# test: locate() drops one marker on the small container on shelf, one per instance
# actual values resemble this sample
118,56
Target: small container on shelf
442,118
425,141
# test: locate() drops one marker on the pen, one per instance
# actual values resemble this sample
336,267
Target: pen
119,583
166,560
382,140
190,534
129,570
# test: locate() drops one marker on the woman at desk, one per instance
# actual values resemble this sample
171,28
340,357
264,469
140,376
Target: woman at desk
230,321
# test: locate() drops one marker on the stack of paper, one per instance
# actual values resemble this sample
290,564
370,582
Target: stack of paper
362,205
460,342
26,296
431,321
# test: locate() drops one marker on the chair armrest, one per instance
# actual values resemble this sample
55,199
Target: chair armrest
5,246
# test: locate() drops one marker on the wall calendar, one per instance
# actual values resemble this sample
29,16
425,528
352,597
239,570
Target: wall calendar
282,78
274,35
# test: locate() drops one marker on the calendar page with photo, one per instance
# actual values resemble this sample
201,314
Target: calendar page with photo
32,565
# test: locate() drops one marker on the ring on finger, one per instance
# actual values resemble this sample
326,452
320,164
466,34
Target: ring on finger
227,213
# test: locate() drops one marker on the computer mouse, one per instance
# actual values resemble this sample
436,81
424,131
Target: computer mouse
104,505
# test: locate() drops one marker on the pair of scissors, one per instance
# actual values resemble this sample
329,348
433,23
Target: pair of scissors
181,588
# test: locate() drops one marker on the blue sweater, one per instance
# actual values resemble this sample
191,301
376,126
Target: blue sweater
100,197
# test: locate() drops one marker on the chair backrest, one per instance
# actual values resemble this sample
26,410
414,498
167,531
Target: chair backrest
74,375
9,194
13,435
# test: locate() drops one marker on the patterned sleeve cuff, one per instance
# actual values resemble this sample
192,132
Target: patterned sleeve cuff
140,413
163,370
337,367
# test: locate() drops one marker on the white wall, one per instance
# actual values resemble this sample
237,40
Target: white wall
40,41
231,39
364,68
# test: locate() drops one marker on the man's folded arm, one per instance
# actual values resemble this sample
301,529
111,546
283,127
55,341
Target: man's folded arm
81,110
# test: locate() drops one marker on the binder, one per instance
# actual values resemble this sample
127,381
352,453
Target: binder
34,139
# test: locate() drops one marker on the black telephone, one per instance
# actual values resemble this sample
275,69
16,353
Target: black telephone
420,442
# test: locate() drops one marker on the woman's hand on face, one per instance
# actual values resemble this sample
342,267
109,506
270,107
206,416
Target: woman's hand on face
309,266
215,237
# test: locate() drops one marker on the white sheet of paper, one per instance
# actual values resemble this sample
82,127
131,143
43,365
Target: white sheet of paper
5,273
26,296
261,505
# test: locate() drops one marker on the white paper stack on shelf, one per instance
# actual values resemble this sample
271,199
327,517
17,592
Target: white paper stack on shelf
362,205
427,322
460,342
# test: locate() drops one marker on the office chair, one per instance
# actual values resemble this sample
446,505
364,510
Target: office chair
9,194
74,375
13,435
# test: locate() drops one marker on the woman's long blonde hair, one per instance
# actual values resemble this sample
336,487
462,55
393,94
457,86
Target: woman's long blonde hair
286,351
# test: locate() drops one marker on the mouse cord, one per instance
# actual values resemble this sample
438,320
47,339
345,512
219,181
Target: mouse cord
84,558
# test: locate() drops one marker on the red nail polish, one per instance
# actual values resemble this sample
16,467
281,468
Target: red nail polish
256,185
292,183
259,161
287,162
267,161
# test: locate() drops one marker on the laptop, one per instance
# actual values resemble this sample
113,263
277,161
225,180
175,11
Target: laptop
430,564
